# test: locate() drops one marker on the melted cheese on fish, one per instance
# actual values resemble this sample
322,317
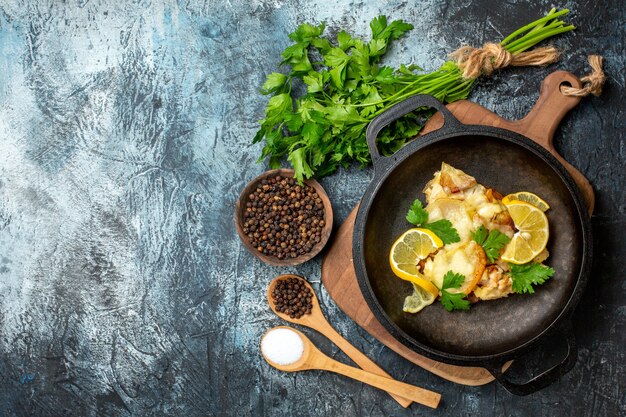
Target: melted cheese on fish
476,199
462,258
456,212
457,197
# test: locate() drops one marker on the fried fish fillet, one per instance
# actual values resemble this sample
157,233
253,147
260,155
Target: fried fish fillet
458,197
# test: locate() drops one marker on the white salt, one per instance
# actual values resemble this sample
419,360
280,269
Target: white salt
282,346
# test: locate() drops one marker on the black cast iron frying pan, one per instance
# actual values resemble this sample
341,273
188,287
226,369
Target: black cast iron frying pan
492,332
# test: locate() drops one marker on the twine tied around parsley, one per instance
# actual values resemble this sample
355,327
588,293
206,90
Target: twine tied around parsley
474,62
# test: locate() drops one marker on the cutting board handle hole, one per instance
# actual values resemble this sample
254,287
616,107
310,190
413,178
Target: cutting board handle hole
564,84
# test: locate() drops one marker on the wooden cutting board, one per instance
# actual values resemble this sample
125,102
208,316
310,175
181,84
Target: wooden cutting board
338,274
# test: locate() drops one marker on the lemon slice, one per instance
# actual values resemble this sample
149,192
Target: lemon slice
406,252
418,300
527,197
532,235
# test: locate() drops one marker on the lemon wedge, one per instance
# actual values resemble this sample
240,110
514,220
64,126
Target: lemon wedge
532,235
418,300
527,197
406,252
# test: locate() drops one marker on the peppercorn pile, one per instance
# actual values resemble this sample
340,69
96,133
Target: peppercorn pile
292,297
283,218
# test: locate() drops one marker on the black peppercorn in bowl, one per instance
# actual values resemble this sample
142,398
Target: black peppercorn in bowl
282,222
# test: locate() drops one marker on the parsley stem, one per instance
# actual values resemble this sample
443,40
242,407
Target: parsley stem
532,41
531,25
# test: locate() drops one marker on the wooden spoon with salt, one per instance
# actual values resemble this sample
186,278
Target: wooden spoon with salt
313,358
316,320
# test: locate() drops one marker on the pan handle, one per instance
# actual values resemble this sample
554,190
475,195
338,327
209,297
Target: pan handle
401,109
545,378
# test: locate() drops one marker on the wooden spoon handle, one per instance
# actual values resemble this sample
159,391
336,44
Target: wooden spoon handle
357,356
417,394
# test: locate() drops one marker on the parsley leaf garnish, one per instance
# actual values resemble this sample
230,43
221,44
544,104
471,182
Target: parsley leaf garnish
449,300
417,215
526,275
492,242
442,228
452,280
480,235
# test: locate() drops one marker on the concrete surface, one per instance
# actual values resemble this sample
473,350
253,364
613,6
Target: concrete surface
125,132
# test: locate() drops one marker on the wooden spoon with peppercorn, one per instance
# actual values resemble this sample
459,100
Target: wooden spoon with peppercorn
313,358
292,298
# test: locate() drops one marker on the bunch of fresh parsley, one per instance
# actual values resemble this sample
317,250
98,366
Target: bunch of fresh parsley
346,87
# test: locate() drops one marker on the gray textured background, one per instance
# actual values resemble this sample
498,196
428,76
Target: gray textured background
124,142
